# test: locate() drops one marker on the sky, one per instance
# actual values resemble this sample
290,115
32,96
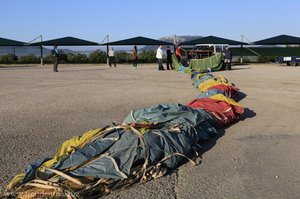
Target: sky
92,20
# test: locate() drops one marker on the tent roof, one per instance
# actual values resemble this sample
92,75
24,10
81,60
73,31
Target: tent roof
66,41
9,42
279,40
138,41
212,40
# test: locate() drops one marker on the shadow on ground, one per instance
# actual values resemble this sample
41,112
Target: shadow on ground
65,70
241,96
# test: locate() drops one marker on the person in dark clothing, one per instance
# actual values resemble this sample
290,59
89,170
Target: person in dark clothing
169,58
228,57
135,57
56,55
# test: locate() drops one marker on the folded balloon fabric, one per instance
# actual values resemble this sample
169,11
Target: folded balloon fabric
149,142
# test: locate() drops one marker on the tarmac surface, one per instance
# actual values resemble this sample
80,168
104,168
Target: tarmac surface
257,157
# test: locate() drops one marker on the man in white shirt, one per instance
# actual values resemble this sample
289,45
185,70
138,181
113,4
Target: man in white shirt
111,57
159,56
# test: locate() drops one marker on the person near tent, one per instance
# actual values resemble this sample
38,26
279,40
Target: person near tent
169,58
159,56
178,53
228,57
56,55
111,57
135,57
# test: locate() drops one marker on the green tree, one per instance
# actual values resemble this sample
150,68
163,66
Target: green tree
81,58
7,59
48,59
29,59
63,57
97,56
147,56
71,58
123,57
266,59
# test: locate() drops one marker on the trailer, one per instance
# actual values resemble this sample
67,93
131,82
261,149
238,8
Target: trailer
201,58
289,60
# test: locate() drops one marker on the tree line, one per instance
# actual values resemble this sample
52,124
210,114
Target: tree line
97,56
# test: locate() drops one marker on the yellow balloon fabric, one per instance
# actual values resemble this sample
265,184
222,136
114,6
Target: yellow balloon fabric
66,148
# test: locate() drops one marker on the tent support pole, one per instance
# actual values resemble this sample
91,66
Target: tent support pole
241,54
42,55
14,54
42,51
242,38
107,58
107,49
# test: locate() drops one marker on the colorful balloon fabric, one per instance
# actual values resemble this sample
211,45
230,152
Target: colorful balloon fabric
148,143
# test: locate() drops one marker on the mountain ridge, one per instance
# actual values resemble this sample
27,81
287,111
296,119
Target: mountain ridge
179,39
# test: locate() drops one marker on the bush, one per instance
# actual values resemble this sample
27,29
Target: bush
29,59
266,59
123,57
8,59
76,58
82,58
144,57
71,58
63,57
246,60
97,57
147,56
48,59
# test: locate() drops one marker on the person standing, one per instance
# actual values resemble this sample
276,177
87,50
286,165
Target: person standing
228,57
111,57
56,55
169,58
178,53
135,57
159,56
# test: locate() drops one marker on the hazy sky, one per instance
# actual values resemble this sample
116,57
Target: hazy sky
93,19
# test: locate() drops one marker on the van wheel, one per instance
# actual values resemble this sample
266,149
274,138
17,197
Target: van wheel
288,63
293,63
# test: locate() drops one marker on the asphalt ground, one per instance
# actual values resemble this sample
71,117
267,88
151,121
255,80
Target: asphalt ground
257,157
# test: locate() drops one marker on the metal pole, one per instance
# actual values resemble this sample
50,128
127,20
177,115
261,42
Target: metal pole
241,53
14,54
175,43
241,49
42,63
107,49
107,58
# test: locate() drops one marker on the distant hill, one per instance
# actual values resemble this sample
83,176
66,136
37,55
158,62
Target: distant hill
180,39
23,50
26,50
